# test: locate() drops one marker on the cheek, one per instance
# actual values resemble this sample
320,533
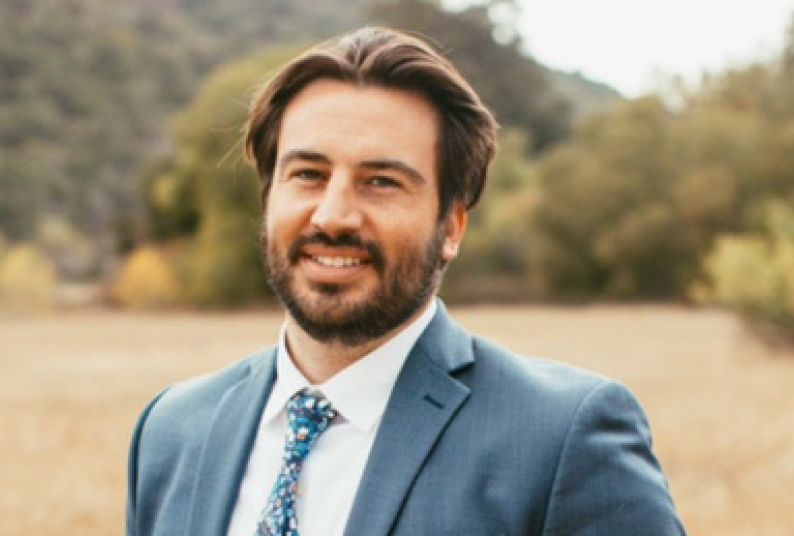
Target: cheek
282,218
408,239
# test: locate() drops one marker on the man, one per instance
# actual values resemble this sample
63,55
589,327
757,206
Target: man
372,149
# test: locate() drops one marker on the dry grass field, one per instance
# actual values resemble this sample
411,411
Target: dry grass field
720,403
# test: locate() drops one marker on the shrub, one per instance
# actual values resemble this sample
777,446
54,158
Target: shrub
224,268
4,245
147,280
754,274
27,277
203,193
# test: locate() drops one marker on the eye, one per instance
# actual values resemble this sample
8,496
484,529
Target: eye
307,174
381,181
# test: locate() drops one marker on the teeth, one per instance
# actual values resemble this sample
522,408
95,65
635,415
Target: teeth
338,262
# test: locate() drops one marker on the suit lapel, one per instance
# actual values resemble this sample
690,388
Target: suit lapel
227,448
424,399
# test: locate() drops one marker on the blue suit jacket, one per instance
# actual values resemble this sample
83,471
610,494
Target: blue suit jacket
473,442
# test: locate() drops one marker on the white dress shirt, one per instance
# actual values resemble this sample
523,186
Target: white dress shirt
332,471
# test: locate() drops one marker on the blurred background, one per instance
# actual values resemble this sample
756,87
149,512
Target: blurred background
638,221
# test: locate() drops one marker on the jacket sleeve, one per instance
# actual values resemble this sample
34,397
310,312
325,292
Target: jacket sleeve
132,469
608,482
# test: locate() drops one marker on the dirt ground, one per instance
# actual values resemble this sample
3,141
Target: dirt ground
721,404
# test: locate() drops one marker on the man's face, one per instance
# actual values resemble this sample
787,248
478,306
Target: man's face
351,230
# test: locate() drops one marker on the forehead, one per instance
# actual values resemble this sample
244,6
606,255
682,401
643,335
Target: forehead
351,123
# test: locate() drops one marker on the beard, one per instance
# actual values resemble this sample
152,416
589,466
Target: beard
322,310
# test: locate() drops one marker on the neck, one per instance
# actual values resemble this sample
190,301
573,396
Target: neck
319,361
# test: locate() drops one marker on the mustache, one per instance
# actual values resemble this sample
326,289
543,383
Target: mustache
348,240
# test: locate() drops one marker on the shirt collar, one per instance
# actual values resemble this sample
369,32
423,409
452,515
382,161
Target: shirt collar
360,391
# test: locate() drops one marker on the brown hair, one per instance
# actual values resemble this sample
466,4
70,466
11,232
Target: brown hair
390,59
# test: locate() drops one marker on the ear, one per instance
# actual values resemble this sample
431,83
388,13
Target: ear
455,227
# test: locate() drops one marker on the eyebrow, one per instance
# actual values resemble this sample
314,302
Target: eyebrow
303,154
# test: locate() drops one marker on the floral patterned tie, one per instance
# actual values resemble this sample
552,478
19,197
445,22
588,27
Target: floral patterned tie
309,415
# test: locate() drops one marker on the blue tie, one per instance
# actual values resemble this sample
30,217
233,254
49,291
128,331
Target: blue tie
309,414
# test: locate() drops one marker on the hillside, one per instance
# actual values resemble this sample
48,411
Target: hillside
88,89
587,97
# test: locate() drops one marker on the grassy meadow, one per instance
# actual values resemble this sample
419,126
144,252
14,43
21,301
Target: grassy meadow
721,403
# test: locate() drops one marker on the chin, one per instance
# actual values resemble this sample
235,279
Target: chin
326,302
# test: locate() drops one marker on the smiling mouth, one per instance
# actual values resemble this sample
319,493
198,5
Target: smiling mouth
325,268
337,262
343,254
336,258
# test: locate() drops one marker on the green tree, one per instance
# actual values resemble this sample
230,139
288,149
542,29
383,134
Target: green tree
85,87
494,260
634,202
605,224
203,194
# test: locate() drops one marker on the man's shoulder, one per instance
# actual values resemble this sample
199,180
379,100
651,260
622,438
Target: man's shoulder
212,385
193,401
532,374
490,369
532,416
542,388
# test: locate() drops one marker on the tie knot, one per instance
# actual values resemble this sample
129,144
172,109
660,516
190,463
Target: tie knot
309,415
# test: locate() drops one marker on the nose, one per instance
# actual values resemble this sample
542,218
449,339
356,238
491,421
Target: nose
337,210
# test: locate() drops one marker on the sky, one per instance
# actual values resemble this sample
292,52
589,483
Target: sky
633,45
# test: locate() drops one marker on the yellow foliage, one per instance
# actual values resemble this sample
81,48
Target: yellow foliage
752,274
165,192
224,266
27,277
147,281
